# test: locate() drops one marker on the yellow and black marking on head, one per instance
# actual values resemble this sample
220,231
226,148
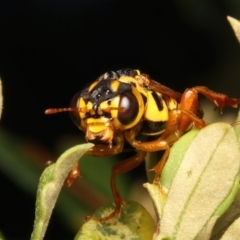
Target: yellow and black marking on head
112,102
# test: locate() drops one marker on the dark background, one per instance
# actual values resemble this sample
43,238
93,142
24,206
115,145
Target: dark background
49,50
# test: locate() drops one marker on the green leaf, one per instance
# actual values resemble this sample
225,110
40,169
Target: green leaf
228,218
175,158
50,184
1,236
237,126
203,186
134,223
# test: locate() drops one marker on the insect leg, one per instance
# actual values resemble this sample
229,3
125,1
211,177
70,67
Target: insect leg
174,130
99,150
219,99
119,168
73,175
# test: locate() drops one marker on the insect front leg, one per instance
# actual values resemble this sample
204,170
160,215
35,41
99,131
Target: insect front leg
120,168
99,150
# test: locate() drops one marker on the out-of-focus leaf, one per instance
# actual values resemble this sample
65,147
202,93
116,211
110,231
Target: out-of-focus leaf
134,223
235,26
1,99
16,164
22,161
50,184
1,236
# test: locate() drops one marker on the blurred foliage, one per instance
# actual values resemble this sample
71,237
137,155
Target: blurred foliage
50,50
24,166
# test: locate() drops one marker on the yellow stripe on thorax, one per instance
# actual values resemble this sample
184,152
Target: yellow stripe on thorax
152,113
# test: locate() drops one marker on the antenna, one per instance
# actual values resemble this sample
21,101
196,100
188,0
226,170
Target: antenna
59,110
83,110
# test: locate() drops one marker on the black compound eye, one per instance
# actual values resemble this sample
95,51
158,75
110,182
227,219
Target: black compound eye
129,102
75,104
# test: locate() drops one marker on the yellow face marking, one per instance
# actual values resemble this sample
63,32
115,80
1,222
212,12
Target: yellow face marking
115,85
96,128
89,105
81,104
115,104
97,121
103,105
97,125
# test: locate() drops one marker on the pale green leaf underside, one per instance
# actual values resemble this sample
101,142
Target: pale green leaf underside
204,181
134,223
50,184
204,185
227,218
